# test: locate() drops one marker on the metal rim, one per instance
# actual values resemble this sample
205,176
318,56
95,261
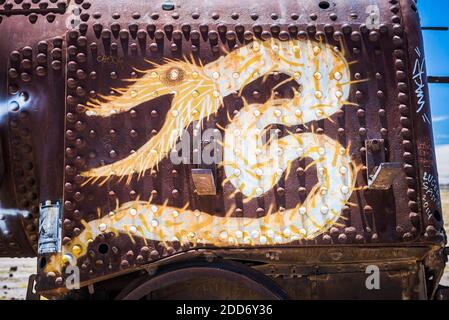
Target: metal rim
232,271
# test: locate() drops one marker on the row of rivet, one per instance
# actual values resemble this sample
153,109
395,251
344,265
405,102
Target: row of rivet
21,144
73,160
360,98
223,32
431,232
32,12
21,4
405,125
72,215
22,165
234,16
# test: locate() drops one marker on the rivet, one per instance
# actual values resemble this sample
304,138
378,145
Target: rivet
397,41
33,18
373,36
356,36
230,35
346,28
328,28
311,28
342,238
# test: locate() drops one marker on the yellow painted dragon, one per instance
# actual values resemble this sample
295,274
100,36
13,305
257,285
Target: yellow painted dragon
251,165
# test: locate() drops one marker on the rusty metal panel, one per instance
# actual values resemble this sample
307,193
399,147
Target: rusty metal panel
120,181
322,87
31,95
277,102
416,94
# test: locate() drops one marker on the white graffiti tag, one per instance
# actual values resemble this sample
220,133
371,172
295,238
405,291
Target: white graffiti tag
431,192
418,78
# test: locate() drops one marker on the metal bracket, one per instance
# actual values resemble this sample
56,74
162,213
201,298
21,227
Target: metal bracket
385,175
204,182
375,155
380,173
435,28
31,293
437,79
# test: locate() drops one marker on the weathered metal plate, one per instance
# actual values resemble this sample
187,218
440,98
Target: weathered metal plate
284,97
324,90
203,181
32,102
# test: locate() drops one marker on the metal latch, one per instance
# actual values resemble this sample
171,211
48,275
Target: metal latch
380,173
204,182
31,292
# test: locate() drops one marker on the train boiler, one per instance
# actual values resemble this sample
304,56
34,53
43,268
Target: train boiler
219,149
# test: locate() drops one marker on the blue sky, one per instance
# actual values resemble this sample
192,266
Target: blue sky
436,45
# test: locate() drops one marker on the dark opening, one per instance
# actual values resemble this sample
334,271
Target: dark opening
324,5
103,248
437,215
168,6
42,262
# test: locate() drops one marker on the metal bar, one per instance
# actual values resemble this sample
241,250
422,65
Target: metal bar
32,10
432,79
435,28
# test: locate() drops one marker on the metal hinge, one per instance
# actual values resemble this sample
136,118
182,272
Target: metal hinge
50,227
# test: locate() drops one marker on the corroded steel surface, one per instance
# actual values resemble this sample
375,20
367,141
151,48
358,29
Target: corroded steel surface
96,94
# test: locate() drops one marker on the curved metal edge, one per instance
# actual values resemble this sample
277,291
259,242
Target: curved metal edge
229,270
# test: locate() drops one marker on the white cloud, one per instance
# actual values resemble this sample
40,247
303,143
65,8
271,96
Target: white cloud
442,152
440,118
